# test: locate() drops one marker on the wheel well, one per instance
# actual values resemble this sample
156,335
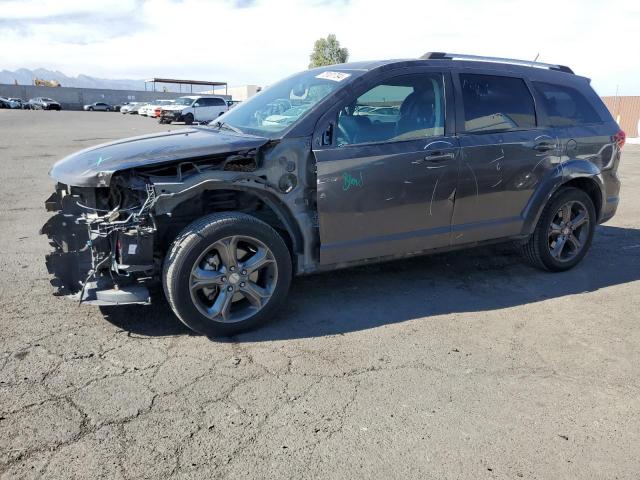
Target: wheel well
227,200
591,188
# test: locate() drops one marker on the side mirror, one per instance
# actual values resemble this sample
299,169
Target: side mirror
196,105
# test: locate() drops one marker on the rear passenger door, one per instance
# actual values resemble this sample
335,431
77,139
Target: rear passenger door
504,155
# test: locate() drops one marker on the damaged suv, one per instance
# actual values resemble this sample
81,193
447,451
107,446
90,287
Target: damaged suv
334,167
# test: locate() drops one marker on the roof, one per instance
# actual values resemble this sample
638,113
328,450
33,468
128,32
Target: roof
184,82
517,66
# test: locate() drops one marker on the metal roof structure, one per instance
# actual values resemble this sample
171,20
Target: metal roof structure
477,58
191,83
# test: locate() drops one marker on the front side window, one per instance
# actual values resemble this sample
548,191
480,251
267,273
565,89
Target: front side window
565,106
494,104
406,107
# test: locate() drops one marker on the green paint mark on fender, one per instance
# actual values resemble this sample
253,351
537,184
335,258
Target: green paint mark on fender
100,160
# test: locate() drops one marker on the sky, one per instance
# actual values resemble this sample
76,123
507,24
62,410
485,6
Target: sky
261,41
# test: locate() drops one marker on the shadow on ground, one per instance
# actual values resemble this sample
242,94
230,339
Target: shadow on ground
475,280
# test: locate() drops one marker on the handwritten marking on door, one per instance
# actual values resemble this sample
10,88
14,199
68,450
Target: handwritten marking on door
349,181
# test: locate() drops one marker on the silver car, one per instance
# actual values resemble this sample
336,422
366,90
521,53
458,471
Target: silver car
129,107
98,106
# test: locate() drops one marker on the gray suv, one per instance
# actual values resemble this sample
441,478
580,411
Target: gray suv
334,167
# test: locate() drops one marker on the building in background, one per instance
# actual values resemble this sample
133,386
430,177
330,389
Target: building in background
625,111
238,94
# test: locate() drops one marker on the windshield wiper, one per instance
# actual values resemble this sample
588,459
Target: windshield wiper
226,126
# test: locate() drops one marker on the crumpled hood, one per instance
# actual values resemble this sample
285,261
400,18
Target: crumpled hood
93,167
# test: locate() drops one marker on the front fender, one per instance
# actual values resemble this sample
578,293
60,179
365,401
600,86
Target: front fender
548,186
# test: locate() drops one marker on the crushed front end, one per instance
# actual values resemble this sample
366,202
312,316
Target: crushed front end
103,243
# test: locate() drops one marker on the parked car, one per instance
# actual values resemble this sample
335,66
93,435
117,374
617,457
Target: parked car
129,106
193,108
44,103
98,107
379,114
135,110
149,109
18,102
484,150
5,103
158,109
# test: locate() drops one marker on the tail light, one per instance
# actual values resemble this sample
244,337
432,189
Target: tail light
620,138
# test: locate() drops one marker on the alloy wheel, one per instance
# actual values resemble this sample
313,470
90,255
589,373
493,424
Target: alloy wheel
569,231
233,279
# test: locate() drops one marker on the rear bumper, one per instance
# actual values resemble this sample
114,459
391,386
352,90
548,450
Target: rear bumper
611,197
609,209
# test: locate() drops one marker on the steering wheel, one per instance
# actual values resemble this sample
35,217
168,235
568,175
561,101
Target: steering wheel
343,134
347,110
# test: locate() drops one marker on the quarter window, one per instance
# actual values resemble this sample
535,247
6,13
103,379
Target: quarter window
402,108
493,103
565,106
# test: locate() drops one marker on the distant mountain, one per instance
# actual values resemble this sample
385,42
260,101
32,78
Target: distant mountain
25,76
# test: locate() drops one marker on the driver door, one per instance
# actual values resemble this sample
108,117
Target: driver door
387,167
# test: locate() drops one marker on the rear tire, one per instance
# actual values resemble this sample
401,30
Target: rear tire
200,270
564,231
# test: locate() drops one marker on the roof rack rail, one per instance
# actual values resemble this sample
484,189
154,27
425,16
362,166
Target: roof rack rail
477,58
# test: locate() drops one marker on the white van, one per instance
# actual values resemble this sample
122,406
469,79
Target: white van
194,108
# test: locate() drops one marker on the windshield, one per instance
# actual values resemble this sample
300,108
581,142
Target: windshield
184,101
282,104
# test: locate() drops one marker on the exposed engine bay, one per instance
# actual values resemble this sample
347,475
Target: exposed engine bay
109,241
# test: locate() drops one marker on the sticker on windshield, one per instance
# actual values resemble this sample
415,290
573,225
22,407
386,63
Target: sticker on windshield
335,76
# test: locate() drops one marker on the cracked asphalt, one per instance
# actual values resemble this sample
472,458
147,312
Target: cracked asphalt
468,365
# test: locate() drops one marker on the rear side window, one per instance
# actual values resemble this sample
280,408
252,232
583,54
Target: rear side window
493,103
565,106
217,102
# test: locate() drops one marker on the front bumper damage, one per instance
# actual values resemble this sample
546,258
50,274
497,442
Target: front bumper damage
100,256
168,116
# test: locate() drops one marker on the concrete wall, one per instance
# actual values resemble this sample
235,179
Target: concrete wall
75,98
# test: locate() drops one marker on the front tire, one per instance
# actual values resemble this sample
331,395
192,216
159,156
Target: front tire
188,119
564,231
226,273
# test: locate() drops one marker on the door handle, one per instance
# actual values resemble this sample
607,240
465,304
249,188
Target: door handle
436,157
544,146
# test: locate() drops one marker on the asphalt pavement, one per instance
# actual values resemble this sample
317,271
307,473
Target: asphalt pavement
468,365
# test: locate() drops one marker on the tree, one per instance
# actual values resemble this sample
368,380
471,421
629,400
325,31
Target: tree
327,51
